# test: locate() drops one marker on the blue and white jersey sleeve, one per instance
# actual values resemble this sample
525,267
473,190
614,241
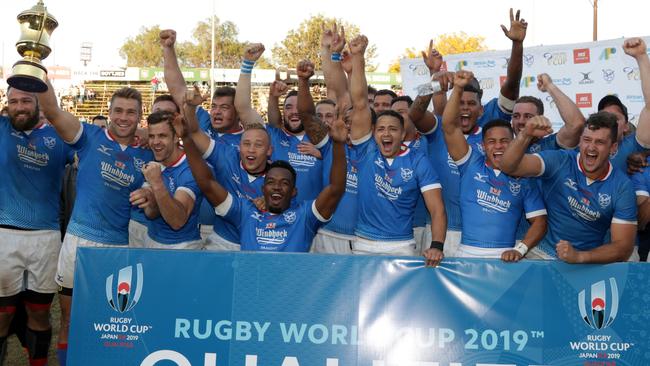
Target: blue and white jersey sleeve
533,203
427,177
625,208
552,162
641,182
491,111
630,144
205,122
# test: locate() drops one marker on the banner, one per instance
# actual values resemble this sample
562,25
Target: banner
157,307
585,72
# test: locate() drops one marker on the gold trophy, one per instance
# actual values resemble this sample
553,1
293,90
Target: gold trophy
36,27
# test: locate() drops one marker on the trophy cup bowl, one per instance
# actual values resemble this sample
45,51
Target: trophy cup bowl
36,27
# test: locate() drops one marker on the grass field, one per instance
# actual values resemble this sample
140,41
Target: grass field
16,356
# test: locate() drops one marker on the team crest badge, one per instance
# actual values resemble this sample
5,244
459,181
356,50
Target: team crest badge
139,163
289,217
604,200
50,142
406,174
515,187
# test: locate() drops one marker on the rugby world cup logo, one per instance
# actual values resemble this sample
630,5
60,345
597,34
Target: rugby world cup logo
126,294
602,306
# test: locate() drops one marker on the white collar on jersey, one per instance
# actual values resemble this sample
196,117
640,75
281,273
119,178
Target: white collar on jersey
610,169
251,178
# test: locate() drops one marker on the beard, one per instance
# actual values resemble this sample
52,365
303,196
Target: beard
298,129
24,121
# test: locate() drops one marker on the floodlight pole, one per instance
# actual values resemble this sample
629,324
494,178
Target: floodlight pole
212,51
595,5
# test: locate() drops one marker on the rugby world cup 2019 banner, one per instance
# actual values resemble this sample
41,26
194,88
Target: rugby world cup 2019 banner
140,307
585,72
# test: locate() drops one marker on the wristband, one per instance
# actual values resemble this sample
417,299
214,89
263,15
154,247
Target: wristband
336,57
522,248
247,66
437,245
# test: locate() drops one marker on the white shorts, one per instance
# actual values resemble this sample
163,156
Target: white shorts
452,242
68,257
152,244
28,261
468,251
205,230
218,244
399,248
536,253
422,236
634,257
137,234
330,242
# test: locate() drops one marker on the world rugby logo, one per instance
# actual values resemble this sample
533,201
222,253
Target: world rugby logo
127,292
602,312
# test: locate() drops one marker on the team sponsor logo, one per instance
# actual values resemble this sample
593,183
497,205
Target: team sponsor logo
491,201
495,191
172,184
270,225
506,61
289,217
271,236
607,53
301,160
582,210
50,142
634,99
127,292
529,60
555,58
104,150
527,81
632,73
608,75
379,162
31,156
486,83
604,200
386,189
352,180
515,188
562,81
550,101
603,304
284,143
235,178
115,173
571,184
460,65
585,78
534,148
581,56
419,69
480,177
406,174
583,100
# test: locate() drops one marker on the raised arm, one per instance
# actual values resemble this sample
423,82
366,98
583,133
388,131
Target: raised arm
173,75
361,116
456,143
314,128
515,161
191,100
174,210
278,88
332,44
247,115
65,123
517,34
330,196
424,120
637,48
212,190
574,121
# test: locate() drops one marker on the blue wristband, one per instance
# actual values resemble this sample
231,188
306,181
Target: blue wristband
336,57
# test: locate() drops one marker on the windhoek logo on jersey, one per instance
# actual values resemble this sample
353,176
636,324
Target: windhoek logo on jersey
603,304
126,294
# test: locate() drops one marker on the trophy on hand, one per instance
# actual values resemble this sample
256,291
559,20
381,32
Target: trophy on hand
36,27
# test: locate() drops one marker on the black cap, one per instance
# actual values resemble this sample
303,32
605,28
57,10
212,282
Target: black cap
475,87
612,100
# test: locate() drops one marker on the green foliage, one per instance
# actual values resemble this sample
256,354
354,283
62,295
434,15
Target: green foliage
143,49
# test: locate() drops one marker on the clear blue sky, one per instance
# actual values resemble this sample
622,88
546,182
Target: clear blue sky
391,25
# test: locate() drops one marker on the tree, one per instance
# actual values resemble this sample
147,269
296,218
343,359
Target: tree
143,49
304,43
446,44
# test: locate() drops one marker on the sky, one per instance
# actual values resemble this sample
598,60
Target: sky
392,25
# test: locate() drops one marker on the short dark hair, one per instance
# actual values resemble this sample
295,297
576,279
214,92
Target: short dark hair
326,101
608,100
283,164
161,117
497,123
224,91
99,116
386,92
474,87
291,93
371,90
403,98
166,98
392,113
128,93
533,100
603,119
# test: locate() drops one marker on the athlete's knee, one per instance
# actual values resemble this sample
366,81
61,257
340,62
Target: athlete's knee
8,306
